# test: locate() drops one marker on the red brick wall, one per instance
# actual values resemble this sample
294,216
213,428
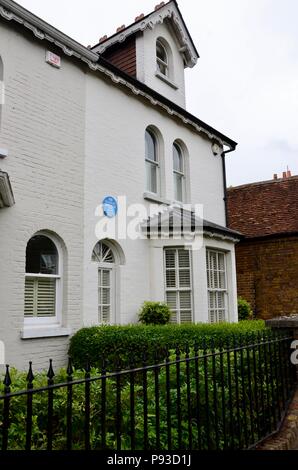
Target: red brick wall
264,208
267,273
123,56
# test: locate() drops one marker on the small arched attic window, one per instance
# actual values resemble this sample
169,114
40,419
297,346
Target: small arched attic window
162,58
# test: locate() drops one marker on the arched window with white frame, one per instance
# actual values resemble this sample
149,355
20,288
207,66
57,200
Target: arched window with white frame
162,58
152,163
179,173
108,259
43,280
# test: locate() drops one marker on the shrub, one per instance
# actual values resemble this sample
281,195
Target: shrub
155,313
244,310
132,341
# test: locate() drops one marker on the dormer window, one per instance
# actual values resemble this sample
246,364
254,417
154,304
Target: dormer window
162,59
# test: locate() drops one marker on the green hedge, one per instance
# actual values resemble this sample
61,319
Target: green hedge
132,341
214,398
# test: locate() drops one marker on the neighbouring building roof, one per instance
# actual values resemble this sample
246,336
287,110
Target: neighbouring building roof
12,11
265,208
6,194
179,220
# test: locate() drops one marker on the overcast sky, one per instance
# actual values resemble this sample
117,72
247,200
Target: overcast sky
246,80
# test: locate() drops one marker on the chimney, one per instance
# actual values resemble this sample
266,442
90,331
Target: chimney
140,17
121,28
103,39
160,5
275,176
284,175
289,173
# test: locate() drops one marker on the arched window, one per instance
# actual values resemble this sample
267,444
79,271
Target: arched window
162,58
179,173
152,163
104,255
43,278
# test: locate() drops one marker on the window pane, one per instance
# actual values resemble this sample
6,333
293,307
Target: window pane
161,52
185,300
178,187
170,258
150,152
171,278
184,278
184,259
151,171
41,256
29,297
46,297
162,68
177,159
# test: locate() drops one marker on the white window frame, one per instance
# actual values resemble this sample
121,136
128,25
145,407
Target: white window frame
178,289
154,163
162,62
224,290
179,173
51,320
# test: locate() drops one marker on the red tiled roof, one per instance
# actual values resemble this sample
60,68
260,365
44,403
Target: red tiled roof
264,208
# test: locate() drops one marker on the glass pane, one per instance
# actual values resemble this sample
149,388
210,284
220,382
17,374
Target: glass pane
41,256
184,278
162,68
171,278
150,152
106,297
151,171
170,259
177,159
185,316
184,259
106,274
106,314
185,300
29,297
172,300
178,187
46,297
161,52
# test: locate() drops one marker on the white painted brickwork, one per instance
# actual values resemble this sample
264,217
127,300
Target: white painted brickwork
74,138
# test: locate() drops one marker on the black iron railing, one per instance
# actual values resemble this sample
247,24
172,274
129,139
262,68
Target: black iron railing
214,395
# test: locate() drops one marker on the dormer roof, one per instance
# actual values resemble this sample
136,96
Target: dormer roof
164,13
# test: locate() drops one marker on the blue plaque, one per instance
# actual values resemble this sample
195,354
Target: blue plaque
110,207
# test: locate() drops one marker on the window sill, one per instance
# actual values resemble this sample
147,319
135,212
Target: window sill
166,80
155,198
47,331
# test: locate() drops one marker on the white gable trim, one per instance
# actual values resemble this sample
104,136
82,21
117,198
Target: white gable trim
169,12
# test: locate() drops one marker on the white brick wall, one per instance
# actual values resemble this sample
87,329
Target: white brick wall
74,138
43,128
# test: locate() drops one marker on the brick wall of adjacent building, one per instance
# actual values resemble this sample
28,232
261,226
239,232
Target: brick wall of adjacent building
267,273
266,213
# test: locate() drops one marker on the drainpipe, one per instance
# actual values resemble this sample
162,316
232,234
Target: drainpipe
223,157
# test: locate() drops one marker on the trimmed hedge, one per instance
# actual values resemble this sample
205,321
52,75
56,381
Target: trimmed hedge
131,342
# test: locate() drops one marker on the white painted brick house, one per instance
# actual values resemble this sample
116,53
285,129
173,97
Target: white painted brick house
80,124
